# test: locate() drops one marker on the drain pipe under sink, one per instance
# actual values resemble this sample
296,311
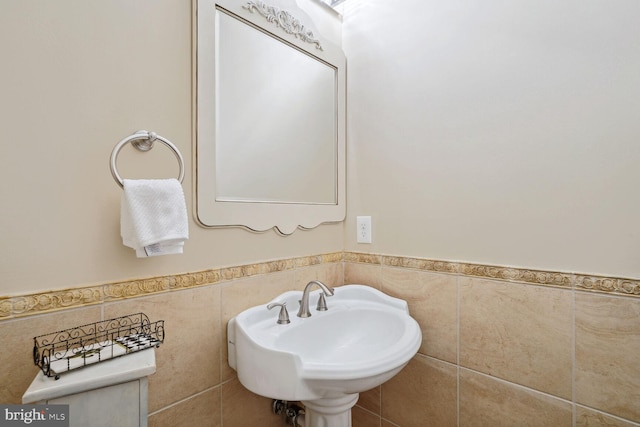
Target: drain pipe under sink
292,412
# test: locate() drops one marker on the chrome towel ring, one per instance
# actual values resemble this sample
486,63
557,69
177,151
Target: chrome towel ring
143,141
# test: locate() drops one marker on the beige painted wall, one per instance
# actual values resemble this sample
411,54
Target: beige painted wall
77,76
502,134
496,132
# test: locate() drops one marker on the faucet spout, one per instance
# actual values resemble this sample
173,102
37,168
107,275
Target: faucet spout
304,302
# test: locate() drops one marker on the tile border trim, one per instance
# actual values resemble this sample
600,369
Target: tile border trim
48,301
567,280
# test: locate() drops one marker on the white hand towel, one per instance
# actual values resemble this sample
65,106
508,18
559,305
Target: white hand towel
153,216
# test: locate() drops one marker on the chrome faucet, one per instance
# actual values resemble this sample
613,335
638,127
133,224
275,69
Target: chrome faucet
304,302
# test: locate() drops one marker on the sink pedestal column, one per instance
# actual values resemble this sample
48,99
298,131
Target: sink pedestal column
330,412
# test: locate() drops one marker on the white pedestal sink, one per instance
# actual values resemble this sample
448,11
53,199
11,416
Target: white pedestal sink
363,339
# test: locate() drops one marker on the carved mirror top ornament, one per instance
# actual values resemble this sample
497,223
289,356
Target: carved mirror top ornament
285,20
270,142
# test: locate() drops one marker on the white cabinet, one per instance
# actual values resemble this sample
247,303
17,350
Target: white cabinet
122,405
111,393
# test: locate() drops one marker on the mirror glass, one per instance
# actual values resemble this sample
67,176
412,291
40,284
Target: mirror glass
270,123
276,121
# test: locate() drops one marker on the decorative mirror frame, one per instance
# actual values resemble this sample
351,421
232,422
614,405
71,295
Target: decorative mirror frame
285,21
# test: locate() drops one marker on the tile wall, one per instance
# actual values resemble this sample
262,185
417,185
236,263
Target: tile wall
501,346
507,347
193,384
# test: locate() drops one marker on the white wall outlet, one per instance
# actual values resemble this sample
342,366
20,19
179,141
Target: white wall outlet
364,229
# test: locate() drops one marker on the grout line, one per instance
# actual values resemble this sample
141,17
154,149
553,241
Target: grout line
518,386
176,403
221,344
380,405
362,408
459,304
616,417
573,353
380,285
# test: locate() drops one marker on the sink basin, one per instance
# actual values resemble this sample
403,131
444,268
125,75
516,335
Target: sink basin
361,341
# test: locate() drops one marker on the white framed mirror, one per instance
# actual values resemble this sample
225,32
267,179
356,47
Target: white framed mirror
270,131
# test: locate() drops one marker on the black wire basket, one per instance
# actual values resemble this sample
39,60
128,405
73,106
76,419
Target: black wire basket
59,352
